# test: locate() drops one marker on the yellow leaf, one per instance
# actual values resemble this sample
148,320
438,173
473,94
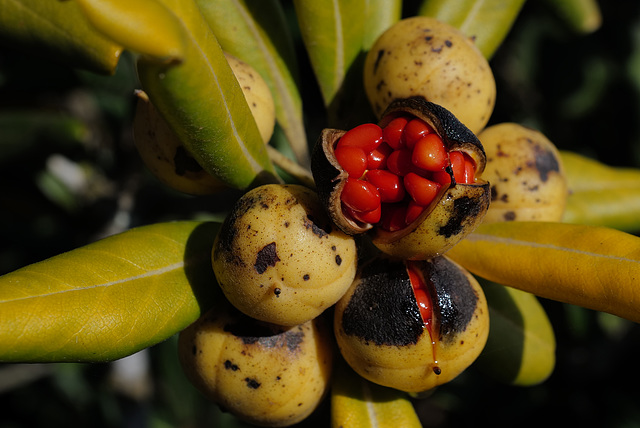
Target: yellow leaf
594,267
108,299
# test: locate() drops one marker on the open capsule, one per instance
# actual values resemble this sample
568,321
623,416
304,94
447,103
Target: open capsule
412,325
411,181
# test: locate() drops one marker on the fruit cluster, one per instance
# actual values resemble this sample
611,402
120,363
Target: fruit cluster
413,184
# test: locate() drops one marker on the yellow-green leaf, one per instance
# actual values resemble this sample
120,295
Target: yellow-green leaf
521,345
601,195
358,403
487,21
203,103
108,299
379,16
58,30
583,16
332,32
256,32
594,267
143,26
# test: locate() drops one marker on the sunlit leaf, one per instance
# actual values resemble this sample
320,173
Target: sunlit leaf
143,26
380,15
358,403
594,267
203,103
583,16
487,21
110,298
58,30
601,195
256,32
521,345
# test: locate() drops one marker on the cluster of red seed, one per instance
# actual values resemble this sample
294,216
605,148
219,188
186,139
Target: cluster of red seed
396,172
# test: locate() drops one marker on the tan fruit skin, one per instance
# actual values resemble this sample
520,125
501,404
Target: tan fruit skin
528,180
267,380
423,56
411,368
278,258
258,95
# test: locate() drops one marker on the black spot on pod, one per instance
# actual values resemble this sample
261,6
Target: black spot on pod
230,366
464,208
383,308
546,163
455,301
267,256
252,383
266,335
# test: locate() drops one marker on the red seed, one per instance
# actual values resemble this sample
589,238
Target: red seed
469,169
393,217
399,162
367,136
414,131
457,164
422,190
423,298
430,153
392,133
442,177
413,212
352,159
372,216
388,184
360,195
377,159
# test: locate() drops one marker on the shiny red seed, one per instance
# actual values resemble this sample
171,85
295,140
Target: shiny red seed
430,153
377,158
442,177
372,216
399,162
392,133
424,304
352,159
469,169
421,189
414,131
388,184
367,136
413,212
457,164
360,195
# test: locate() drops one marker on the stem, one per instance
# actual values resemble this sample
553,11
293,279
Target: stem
291,167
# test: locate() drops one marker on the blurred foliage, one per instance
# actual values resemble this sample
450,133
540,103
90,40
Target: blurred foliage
70,181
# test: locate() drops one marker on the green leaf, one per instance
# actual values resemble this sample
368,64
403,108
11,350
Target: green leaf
59,30
256,32
601,195
143,26
108,299
332,32
358,403
593,267
203,103
582,16
379,16
521,346
487,21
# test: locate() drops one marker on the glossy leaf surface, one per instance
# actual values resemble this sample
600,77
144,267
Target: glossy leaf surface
487,21
358,403
143,26
203,103
521,345
601,195
594,267
256,32
108,299
58,30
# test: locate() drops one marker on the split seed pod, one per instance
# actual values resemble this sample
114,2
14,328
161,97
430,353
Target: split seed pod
278,258
412,325
407,227
264,374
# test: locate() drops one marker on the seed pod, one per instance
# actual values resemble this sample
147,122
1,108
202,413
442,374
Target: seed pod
279,259
412,325
423,56
426,153
265,374
528,181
